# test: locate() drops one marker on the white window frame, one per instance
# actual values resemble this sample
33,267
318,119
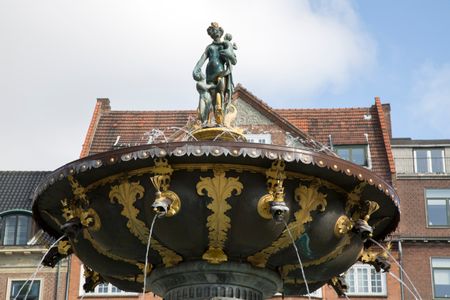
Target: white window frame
261,138
369,269
429,160
97,293
11,280
447,202
432,274
316,294
15,233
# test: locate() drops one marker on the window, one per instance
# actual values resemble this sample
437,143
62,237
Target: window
316,294
15,229
364,280
355,153
261,138
17,292
104,289
429,160
441,277
438,207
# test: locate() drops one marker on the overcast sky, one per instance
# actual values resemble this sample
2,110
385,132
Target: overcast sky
58,56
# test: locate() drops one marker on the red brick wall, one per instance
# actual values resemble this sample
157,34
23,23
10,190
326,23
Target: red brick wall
417,264
47,279
413,207
393,288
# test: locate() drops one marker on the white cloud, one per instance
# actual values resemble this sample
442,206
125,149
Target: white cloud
430,100
57,56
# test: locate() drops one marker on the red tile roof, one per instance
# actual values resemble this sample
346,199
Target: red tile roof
342,125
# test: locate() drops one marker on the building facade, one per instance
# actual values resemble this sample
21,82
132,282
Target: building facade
361,135
22,244
423,185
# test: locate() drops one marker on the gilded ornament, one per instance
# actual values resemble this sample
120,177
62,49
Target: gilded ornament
264,206
64,247
164,170
126,194
92,279
379,260
134,278
204,167
365,210
90,219
169,257
161,182
309,199
275,177
167,197
219,189
79,192
354,197
342,226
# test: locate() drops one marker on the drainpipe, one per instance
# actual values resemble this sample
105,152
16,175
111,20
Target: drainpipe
57,282
400,254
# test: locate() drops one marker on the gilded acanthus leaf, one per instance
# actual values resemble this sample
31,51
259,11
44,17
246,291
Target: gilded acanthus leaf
169,257
354,197
309,199
126,195
219,188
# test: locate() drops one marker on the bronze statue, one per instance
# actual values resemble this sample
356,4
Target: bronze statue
216,89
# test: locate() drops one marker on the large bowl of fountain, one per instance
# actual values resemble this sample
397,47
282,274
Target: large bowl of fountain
210,215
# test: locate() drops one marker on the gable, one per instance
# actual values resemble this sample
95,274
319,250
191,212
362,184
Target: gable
248,115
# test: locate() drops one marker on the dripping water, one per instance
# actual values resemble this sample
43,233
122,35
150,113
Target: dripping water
38,268
146,255
299,260
398,264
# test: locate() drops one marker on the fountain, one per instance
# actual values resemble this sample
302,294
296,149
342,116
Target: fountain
226,210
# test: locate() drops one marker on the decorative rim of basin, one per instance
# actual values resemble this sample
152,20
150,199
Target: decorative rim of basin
327,163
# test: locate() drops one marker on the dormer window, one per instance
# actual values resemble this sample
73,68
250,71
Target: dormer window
15,229
357,154
429,160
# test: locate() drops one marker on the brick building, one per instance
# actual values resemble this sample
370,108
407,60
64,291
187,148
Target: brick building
22,244
361,135
423,185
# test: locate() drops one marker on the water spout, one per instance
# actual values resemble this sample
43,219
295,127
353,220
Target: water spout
299,260
279,211
398,264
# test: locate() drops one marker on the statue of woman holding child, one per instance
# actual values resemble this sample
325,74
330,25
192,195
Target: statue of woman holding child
216,88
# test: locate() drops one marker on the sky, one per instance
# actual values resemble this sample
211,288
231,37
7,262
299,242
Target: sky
58,56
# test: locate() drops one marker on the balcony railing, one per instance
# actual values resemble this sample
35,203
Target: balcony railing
422,166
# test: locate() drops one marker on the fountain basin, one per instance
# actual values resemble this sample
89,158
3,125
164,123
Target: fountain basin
220,219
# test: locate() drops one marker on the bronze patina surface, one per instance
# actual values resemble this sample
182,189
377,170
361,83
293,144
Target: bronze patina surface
218,220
